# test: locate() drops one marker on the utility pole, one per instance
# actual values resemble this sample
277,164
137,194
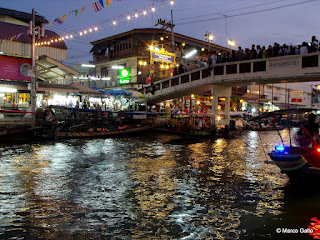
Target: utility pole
34,74
33,92
166,25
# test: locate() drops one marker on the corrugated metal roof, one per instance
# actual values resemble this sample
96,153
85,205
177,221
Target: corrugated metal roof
8,30
23,16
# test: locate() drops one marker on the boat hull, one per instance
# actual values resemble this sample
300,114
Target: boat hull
296,167
104,133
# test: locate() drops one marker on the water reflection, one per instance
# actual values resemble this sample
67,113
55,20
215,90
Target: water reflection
147,188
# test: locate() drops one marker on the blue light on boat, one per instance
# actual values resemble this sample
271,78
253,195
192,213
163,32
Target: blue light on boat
280,148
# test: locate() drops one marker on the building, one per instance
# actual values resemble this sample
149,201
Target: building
15,60
133,50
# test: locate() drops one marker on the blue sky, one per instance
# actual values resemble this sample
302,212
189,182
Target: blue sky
290,25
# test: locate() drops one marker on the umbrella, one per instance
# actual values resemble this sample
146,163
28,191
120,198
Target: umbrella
117,92
138,95
98,89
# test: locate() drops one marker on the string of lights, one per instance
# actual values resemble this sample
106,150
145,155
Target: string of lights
95,28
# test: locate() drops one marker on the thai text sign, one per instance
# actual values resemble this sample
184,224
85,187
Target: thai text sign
15,68
162,56
285,63
296,96
124,75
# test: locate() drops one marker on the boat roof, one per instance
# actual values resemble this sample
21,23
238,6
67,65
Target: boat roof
284,112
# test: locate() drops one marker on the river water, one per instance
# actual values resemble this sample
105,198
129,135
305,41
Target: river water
150,187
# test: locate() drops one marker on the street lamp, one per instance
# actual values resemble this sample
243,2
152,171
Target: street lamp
231,43
209,37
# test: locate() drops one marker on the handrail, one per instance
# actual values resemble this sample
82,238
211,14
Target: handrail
253,68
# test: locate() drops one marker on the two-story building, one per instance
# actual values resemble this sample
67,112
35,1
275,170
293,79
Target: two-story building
146,52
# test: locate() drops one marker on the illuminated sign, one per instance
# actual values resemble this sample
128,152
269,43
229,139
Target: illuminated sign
124,75
162,56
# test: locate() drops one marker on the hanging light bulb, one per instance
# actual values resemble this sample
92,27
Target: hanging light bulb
172,3
67,37
96,29
80,33
144,12
114,23
136,15
128,17
71,36
153,9
85,32
90,30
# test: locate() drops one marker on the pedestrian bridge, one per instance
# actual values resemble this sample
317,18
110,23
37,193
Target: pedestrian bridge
285,69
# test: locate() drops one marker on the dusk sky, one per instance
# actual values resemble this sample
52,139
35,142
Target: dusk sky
249,21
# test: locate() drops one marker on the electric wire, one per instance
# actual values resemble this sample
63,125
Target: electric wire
247,13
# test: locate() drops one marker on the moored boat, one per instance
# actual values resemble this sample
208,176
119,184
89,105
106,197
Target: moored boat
102,132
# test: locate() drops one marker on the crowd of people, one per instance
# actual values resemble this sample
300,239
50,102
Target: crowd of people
256,52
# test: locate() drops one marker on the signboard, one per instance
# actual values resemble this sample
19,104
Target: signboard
124,75
296,96
162,56
285,63
15,68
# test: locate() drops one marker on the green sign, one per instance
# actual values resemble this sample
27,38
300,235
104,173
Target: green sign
124,75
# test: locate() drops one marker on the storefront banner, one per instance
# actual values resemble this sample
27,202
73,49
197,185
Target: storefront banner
162,56
15,68
296,96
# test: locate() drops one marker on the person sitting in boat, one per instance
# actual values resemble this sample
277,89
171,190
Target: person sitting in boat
309,132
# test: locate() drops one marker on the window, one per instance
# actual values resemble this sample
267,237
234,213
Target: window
127,45
104,72
120,47
134,43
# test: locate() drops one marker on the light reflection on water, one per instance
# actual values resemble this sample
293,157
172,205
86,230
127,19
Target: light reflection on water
146,188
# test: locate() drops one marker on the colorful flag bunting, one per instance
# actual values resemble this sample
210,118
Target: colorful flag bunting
97,7
101,3
58,21
64,17
76,12
50,24
82,9
108,3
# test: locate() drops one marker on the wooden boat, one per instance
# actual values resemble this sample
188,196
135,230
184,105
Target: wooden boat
102,132
300,164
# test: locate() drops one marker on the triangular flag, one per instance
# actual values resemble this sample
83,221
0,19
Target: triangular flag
97,7
11,38
49,25
76,12
101,3
64,17
1,41
82,9
108,3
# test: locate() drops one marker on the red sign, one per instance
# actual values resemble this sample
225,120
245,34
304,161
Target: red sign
15,68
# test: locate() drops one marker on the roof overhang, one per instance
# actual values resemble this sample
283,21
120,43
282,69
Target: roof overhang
50,69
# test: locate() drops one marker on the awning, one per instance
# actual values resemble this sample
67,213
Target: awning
254,103
52,70
83,89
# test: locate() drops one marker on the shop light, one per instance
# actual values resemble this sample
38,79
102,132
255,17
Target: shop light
218,118
1,52
117,67
88,65
7,90
1,94
151,48
157,49
190,54
139,73
106,78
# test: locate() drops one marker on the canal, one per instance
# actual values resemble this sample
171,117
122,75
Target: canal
150,187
